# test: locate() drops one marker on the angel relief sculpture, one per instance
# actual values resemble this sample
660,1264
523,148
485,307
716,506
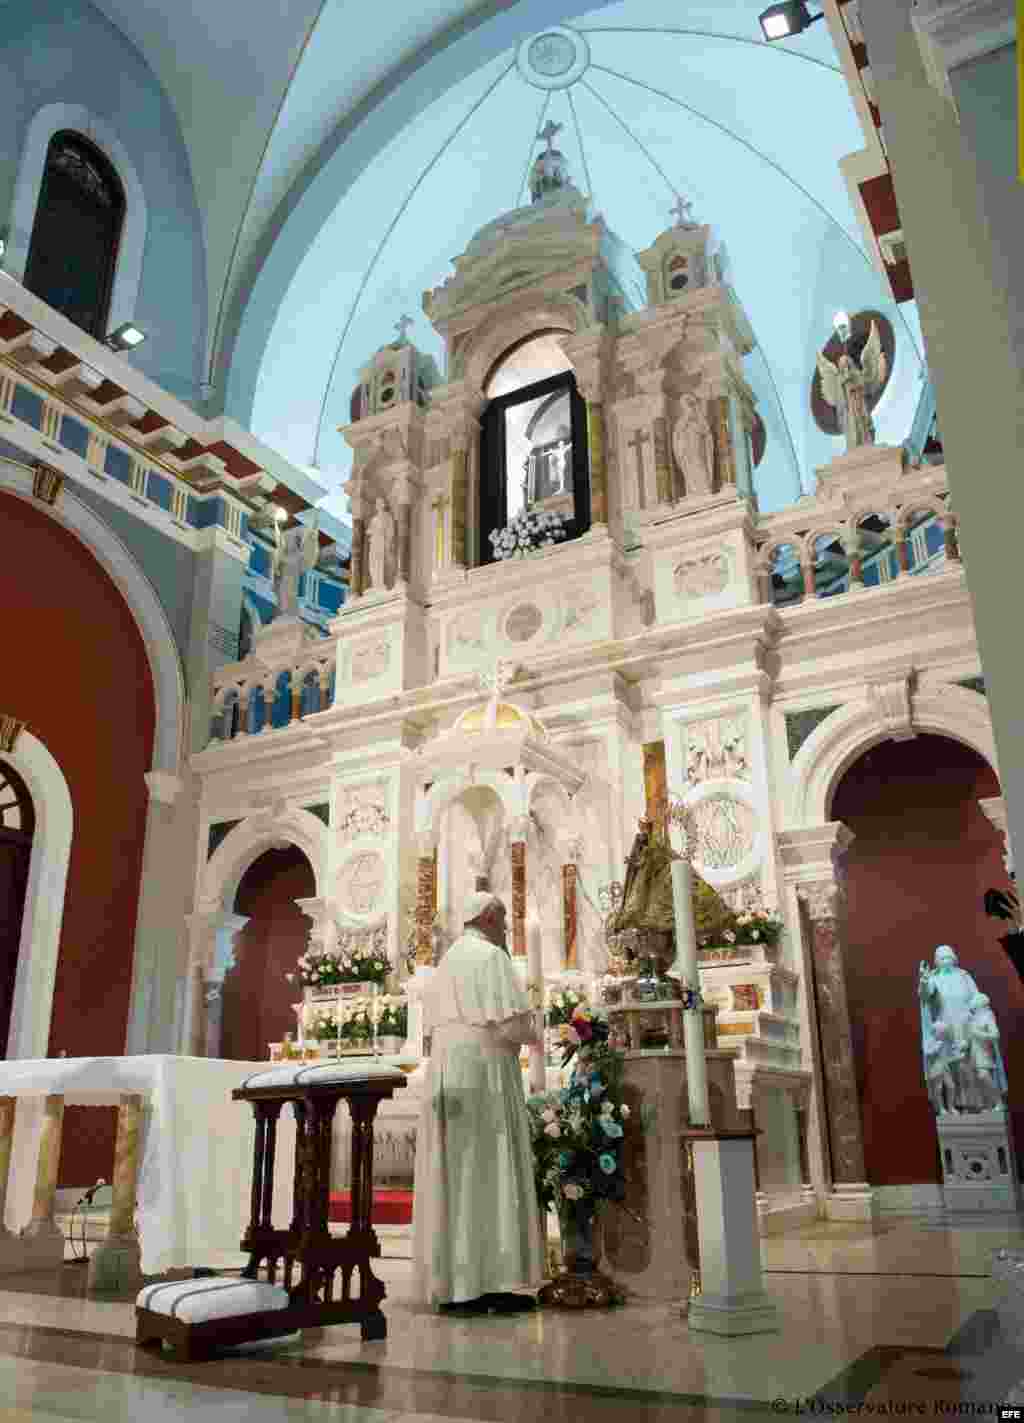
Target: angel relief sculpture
851,387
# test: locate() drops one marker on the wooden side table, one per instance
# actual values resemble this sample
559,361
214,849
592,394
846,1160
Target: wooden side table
314,1268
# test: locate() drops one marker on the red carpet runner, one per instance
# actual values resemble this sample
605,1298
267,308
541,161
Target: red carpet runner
389,1207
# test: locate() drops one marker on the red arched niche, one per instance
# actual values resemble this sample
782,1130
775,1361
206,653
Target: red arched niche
923,856
257,997
74,669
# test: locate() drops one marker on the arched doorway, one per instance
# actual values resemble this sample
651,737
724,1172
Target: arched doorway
76,234
17,825
923,856
256,997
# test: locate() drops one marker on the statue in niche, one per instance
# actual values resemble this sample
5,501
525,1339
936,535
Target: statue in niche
849,388
693,445
381,545
963,1066
295,553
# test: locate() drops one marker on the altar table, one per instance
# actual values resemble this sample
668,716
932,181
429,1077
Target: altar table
195,1151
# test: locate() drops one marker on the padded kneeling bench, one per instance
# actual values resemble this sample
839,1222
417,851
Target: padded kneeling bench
197,1318
298,1277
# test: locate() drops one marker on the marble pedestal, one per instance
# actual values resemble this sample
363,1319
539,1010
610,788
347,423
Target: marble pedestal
732,1300
647,1257
979,1165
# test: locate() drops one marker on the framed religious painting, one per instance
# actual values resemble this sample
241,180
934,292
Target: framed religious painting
533,458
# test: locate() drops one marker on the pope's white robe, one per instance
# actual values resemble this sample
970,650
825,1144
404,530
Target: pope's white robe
476,1222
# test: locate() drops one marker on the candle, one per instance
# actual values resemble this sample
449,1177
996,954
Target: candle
685,969
538,1069
300,1010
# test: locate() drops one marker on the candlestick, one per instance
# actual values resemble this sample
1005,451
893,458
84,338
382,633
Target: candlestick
685,969
538,1068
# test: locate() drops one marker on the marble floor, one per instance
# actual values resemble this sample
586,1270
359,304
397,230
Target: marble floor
899,1321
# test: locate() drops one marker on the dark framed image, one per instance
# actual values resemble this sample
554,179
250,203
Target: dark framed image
533,457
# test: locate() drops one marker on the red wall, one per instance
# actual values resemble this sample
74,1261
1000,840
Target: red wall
923,857
74,669
257,997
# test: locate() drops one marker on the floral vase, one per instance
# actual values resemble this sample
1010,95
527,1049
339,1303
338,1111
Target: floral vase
576,1222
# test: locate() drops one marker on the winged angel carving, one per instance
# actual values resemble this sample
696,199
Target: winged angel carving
849,388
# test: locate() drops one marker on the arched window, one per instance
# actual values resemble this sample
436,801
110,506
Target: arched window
76,233
17,822
533,447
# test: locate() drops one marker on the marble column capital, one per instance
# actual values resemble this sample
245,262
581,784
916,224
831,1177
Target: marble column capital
823,900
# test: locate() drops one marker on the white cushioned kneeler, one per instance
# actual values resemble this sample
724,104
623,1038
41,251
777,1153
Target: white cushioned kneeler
220,1297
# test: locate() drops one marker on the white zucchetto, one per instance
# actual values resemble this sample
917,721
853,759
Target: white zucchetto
478,903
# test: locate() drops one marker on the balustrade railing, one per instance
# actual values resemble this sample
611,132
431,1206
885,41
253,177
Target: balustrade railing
252,697
813,551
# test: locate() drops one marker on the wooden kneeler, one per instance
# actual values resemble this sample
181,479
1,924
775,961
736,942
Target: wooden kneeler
314,1268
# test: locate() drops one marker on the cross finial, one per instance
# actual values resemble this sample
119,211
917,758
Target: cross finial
402,326
680,210
496,681
548,132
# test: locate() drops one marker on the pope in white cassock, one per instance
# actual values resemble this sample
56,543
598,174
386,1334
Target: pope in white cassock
476,1236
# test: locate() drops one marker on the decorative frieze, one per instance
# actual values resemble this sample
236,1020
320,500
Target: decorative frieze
363,810
717,749
369,659
361,883
703,577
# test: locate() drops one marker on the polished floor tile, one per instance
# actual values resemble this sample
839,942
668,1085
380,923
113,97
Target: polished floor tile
906,1313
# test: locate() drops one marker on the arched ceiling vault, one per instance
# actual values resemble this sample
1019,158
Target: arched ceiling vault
339,186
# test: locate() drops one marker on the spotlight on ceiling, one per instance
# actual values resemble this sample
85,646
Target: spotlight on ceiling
780,22
841,325
126,337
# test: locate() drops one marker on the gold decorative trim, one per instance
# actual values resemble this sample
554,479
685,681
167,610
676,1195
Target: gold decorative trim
10,729
728,1030
47,482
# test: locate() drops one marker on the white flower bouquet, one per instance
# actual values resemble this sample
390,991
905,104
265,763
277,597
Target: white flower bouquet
526,533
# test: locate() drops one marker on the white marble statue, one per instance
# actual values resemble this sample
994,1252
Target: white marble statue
693,445
558,464
296,552
948,996
849,388
381,545
986,1071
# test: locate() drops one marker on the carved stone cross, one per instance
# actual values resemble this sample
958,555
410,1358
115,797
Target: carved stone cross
548,132
497,681
636,444
681,210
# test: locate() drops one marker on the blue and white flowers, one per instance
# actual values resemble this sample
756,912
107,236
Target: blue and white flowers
526,532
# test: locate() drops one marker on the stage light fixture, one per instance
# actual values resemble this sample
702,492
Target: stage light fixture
126,337
781,22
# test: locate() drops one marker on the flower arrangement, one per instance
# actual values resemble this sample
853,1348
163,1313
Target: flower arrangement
322,970
755,925
357,1021
393,1019
577,1134
561,1006
527,532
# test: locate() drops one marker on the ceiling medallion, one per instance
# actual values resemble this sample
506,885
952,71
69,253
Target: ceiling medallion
554,59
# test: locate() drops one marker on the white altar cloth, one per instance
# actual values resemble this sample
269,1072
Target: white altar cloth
196,1151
